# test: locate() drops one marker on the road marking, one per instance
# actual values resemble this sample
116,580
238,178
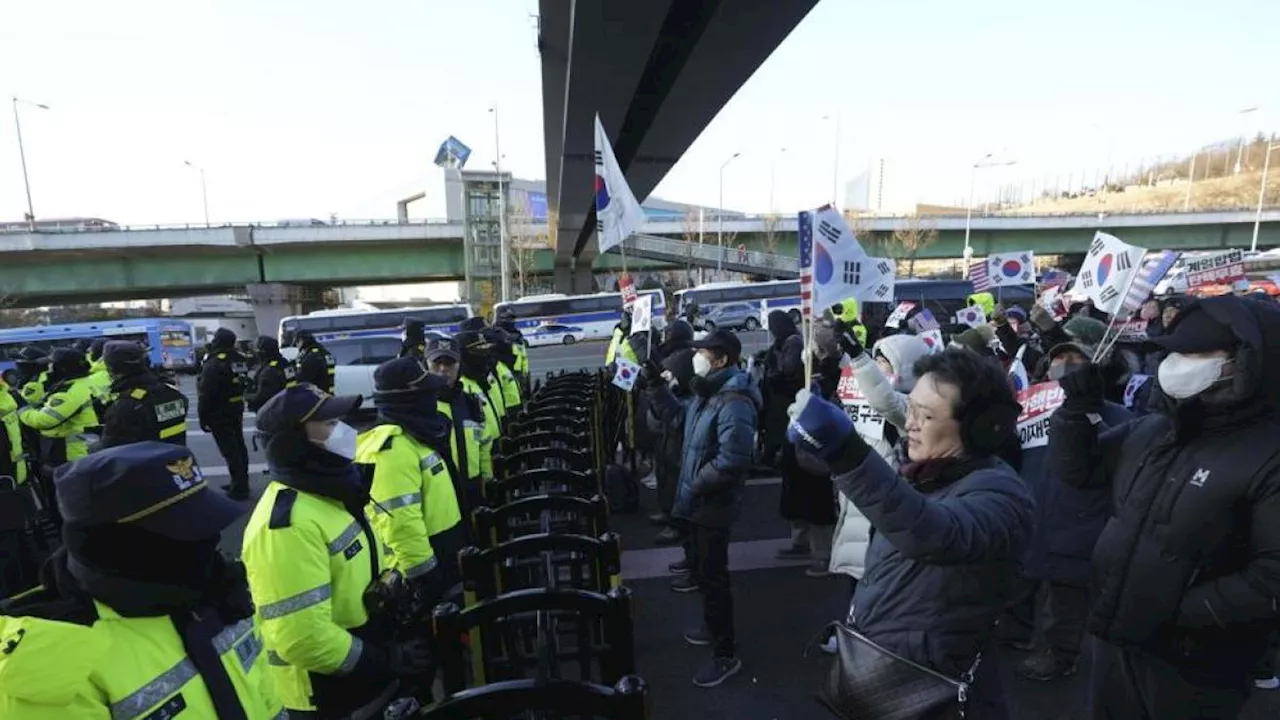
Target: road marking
221,470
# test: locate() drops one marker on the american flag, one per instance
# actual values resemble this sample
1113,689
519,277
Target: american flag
980,277
806,264
1053,278
1152,272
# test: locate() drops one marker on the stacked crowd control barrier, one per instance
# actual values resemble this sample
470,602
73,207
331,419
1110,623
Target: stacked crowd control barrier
545,628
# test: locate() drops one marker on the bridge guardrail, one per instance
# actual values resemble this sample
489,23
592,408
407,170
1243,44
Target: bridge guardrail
710,255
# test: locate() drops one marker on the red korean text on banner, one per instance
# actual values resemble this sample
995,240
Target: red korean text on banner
899,314
868,422
627,286
1038,404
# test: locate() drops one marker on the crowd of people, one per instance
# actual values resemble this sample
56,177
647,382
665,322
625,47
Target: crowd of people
1137,525
124,605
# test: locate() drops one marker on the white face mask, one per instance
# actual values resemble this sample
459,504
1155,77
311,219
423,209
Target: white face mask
1182,376
342,441
701,365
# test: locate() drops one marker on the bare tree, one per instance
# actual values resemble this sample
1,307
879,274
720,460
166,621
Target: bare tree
527,237
691,230
906,242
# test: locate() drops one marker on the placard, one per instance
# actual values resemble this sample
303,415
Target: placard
899,314
1223,268
1038,404
627,287
868,422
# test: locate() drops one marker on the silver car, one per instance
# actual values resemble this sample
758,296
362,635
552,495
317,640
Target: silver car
733,316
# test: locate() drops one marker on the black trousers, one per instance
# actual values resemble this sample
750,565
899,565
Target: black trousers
710,548
1128,684
1050,614
229,436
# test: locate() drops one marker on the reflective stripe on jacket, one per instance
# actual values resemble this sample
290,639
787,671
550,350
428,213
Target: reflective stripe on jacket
489,432
308,564
123,668
64,416
413,500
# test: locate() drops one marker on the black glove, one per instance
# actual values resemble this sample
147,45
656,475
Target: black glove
1084,388
411,657
849,342
652,372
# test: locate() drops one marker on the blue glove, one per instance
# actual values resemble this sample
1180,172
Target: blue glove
818,426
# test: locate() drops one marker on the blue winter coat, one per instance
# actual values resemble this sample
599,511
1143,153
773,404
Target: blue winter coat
1068,520
942,564
719,441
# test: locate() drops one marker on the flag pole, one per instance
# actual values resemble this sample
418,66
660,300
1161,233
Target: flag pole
1104,347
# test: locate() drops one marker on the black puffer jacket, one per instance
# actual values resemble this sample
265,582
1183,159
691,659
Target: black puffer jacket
668,450
1189,566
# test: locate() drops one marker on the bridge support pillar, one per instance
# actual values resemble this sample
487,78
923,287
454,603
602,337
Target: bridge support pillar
272,302
572,280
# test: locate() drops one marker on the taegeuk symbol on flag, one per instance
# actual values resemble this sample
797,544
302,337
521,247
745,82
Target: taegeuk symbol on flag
1108,267
642,314
1018,268
618,215
626,375
835,268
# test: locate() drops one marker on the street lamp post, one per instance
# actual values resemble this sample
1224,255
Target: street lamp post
720,215
22,156
1191,179
505,261
835,166
1262,191
983,162
1240,152
204,189
773,171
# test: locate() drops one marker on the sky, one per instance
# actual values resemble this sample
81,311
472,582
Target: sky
301,109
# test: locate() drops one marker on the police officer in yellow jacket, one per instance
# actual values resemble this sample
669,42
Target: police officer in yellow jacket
477,367
618,344
475,426
138,615
145,408
416,483
315,364
67,412
313,557
13,461
32,365
501,349
17,571
275,373
220,406
519,347
99,379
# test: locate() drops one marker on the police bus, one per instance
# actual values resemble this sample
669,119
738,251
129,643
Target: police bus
328,325
589,316
781,295
170,343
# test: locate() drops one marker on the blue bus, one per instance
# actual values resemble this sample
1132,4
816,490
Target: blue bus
590,316
170,343
345,323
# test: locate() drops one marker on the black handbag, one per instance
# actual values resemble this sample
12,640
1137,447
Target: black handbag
868,682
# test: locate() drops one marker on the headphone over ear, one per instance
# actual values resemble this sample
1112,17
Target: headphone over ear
984,432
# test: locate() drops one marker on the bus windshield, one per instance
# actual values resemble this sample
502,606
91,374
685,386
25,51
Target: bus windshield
333,325
592,316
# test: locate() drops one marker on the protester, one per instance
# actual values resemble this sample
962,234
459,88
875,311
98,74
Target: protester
951,521
719,436
668,455
1186,576
1050,615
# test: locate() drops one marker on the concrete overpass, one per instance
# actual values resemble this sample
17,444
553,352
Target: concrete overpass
65,267
657,72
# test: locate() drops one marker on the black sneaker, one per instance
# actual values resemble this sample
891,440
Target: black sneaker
717,671
659,519
698,638
684,584
679,567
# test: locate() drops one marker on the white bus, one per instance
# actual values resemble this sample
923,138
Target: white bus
329,325
585,316
781,294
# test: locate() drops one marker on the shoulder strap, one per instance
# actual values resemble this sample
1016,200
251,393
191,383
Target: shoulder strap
282,509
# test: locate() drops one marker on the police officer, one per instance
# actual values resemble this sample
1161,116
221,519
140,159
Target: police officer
139,616
618,344
519,346
220,406
416,483
16,564
99,379
477,372
144,407
312,555
33,374
67,412
315,364
413,339
472,416
504,359
275,373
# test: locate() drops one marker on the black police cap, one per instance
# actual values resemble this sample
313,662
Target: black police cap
443,347
403,375
154,486
119,354
475,324
292,407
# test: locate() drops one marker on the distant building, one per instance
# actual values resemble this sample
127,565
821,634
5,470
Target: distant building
208,313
